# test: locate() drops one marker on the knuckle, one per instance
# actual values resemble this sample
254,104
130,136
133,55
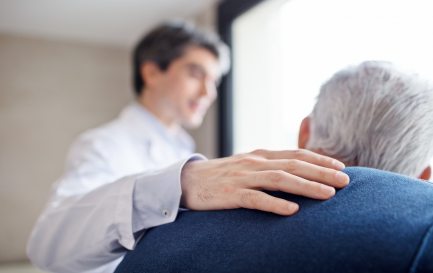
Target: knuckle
276,177
314,188
326,191
325,160
301,154
259,152
228,189
271,207
236,173
298,183
236,160
239,156
293,165
249,199
274,206
297,153
325,175
318,191
247,161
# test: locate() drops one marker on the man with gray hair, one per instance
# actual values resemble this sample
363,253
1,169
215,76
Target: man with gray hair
374,115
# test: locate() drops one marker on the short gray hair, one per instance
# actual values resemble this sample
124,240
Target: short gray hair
374,115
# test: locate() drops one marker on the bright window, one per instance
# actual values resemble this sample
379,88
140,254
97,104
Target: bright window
284,50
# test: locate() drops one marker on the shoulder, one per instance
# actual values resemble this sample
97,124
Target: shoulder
115,133
410,202
423,261
110,134
115,139
390,187
378,223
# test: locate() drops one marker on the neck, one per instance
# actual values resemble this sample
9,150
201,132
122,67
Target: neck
157,109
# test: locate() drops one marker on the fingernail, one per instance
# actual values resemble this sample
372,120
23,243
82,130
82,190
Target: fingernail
342,177
338,164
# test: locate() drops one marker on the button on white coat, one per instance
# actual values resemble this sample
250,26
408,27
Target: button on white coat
166,213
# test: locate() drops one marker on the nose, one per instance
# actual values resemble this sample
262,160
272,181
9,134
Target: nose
208,89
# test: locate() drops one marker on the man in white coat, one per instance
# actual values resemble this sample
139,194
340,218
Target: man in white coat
137,171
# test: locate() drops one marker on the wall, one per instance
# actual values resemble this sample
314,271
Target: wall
206,135
49,92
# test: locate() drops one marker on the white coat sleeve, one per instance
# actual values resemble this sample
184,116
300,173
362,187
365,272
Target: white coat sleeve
90,221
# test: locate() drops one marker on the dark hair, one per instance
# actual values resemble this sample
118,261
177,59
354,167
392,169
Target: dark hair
167,42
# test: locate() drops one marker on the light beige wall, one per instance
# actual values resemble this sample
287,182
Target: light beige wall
49,92
206,135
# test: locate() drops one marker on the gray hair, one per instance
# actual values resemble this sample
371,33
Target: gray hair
374,115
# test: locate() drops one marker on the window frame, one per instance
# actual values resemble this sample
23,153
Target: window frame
228,11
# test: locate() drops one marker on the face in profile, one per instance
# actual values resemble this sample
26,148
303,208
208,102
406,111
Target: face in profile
188,87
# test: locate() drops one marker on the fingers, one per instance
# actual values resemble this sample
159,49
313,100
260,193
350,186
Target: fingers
308,171
304,155
237,181
253,199
286,182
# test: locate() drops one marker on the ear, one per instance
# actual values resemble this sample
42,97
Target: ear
149,73
304,133
426,174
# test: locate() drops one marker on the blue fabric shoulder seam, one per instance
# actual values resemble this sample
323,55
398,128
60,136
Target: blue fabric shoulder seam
422,247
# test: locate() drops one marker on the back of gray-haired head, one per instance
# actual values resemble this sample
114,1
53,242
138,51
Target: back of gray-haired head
374,115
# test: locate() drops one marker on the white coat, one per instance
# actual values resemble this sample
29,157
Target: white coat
120,179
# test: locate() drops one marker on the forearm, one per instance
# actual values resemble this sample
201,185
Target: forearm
82,232
85,231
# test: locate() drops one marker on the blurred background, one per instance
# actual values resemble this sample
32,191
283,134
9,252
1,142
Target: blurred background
65,67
